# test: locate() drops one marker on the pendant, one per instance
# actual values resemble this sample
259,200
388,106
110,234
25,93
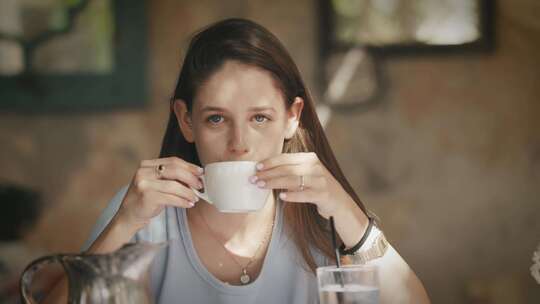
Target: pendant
244,278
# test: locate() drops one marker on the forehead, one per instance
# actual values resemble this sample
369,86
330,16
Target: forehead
236,85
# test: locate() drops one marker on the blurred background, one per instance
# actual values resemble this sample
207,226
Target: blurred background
431,108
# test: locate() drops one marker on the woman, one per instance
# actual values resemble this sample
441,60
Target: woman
240,97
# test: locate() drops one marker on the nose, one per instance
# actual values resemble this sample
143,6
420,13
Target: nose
238,145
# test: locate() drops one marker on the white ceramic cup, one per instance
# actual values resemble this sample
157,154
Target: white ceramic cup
227,187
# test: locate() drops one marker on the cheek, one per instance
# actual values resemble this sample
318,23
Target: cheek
274,133
270,140
209,144
203,135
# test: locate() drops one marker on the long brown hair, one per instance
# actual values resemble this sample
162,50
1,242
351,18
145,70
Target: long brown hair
250,43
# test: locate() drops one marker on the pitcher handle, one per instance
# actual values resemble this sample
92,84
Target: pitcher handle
28,274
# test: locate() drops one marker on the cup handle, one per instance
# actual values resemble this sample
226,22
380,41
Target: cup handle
203,195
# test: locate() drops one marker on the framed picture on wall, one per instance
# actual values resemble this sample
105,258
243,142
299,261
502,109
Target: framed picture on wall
357,36
76,55
399,26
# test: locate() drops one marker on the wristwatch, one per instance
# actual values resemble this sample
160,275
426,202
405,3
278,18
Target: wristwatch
377,250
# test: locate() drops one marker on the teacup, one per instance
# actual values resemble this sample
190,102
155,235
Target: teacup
227,187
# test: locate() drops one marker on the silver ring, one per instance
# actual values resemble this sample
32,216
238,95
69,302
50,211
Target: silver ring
159,170
302,183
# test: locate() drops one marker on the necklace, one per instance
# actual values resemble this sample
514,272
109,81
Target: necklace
244,277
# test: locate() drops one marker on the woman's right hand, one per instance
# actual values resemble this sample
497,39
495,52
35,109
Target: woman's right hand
151,190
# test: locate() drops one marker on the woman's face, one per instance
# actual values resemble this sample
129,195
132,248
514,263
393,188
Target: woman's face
239,113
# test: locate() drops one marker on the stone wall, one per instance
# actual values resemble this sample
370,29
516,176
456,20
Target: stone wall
450,160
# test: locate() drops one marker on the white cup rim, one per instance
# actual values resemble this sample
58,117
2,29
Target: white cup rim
230,162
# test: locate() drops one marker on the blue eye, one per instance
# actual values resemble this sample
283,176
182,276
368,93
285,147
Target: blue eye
260,118
215,119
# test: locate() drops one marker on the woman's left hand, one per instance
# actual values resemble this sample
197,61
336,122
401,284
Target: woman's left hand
287,171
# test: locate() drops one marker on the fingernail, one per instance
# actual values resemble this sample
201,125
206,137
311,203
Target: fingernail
282,195
196,199
191,204
201,170
253,179
261,183
199,185
260,166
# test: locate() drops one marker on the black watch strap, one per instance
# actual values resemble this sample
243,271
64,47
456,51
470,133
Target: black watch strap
355,248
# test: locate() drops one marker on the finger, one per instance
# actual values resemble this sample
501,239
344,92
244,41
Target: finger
308,195
172,188
173,173
291,182
280,171
287,159
174,162
166,199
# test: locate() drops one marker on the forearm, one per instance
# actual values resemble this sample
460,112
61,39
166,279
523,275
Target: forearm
58,293
398,283
116,234
112,238
350,222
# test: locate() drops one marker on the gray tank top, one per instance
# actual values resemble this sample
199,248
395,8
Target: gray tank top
178,275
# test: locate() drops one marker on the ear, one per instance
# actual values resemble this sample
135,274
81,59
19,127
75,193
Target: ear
294,112
184,119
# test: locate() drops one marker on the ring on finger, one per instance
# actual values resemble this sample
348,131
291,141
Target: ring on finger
159,170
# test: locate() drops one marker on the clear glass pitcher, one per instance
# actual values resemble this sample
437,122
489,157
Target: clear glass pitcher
114,278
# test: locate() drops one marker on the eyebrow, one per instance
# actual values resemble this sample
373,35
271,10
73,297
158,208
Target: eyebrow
252,109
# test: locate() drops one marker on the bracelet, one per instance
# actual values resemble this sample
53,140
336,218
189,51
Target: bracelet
355,248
